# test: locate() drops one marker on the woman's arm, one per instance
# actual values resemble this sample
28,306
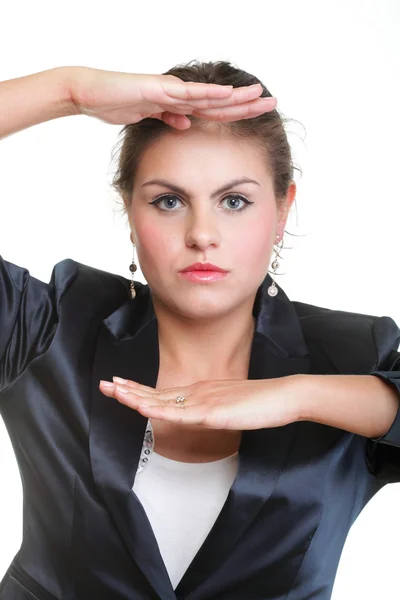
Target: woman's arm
36,98
120,98
362,404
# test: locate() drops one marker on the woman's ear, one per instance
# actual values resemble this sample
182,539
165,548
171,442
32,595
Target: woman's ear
291,195
284,211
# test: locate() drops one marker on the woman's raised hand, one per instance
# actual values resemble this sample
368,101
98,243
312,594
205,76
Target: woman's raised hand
122,98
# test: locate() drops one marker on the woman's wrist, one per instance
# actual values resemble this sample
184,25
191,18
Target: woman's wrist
67,78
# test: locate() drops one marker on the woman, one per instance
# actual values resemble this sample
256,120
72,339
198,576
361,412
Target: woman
245,431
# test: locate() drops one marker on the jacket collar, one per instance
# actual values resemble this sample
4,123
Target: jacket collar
276,319
127,345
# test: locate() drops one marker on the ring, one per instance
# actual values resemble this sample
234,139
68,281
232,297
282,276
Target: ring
180,400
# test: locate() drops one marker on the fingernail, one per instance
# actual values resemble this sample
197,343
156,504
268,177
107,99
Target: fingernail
106,384
120,380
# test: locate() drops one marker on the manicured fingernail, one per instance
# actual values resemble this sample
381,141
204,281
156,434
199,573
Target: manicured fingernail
106,384
120,380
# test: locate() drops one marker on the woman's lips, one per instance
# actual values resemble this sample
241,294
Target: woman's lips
203,276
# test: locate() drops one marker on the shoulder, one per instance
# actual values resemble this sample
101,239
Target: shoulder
315,317
67,277
341,333
91,287
318,320
67,270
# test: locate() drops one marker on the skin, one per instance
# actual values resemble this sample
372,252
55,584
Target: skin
202,327
205,329
206,336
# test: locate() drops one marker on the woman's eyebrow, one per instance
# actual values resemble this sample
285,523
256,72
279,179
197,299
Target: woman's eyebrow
180,190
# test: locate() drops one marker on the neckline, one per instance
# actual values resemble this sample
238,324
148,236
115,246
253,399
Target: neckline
170,463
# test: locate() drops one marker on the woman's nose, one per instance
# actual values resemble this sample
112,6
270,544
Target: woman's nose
202,230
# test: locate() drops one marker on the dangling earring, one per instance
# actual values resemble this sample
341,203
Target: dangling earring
133,268
273,290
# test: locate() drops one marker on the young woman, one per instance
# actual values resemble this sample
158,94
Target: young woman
245,431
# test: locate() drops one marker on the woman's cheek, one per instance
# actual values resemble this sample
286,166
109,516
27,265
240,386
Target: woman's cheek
257,244
154,245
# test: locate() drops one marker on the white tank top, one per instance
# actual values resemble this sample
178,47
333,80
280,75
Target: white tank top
182,501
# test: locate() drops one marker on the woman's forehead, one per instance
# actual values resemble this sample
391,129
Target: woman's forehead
201,150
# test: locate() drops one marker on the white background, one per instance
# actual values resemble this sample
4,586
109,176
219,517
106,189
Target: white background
334,66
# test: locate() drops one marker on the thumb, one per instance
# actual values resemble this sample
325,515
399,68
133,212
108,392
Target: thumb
176,120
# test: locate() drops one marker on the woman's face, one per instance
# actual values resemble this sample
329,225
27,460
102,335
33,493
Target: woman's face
234,229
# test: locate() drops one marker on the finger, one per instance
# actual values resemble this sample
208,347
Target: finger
189,415
235,113
136,392
239,96
135,395
192,90
245,98
249,109
133,384
132,399
178,121
164,395
114,390
106,390
174,120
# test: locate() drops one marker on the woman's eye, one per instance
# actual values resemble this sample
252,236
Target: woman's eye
233,206
168,197
169,200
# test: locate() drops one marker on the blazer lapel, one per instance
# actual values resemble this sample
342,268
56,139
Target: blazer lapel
128,346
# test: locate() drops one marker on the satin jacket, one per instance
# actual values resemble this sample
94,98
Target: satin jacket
86,535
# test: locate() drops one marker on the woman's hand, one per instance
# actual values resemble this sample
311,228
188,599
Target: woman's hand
234,404
122,98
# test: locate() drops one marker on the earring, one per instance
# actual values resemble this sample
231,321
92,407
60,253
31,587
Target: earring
273,290
133,268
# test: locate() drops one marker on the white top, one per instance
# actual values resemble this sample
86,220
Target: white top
182,501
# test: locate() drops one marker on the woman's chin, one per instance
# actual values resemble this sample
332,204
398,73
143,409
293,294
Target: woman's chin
203,309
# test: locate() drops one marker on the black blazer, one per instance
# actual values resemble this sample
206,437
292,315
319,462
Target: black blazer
86,535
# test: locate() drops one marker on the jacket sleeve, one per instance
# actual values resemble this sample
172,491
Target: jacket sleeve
29,311
383,453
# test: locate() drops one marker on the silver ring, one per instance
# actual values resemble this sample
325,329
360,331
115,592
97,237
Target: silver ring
180,400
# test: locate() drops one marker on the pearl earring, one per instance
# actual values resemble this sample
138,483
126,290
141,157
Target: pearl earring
273,290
